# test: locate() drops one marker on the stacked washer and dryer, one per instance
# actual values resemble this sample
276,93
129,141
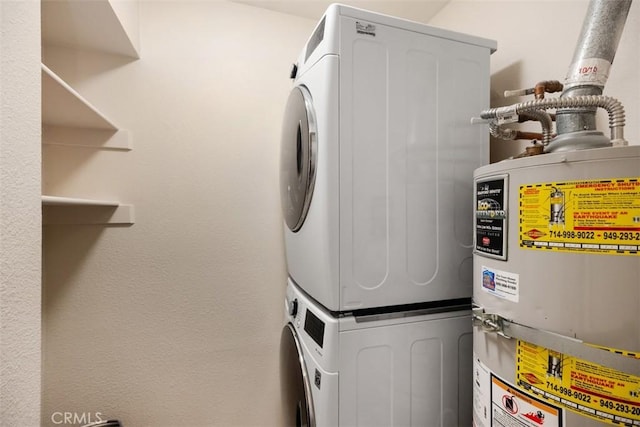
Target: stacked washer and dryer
377,161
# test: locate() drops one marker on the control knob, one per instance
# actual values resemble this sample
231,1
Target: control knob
293,308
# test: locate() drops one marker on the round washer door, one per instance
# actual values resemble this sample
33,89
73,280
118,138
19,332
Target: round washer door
298,157
296,388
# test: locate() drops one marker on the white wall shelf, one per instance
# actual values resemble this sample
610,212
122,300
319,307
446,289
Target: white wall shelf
102,25
63,106
73,201
69,119
82,137
70,210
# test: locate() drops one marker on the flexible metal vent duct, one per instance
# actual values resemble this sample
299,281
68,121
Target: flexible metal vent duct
589,70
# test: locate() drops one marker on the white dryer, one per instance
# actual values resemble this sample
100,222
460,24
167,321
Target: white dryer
377,160
398,369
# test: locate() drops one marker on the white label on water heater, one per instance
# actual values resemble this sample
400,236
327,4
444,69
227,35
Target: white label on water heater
501,283
481,393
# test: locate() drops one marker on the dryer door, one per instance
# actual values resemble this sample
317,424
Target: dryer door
294,380
298,157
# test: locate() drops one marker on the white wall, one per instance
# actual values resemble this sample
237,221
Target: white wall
176,320
536,41
20,231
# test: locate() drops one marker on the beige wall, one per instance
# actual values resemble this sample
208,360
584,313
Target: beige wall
176,320
20,231
536,41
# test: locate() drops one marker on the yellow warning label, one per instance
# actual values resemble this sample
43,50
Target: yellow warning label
598,216
633,354
584,387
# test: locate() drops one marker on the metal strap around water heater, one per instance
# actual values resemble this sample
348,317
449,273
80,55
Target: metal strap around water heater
494,323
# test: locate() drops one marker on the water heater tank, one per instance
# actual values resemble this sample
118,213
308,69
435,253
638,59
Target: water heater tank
557,289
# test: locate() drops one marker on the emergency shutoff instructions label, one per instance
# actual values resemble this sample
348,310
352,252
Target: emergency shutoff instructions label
597,216
584,387
491,217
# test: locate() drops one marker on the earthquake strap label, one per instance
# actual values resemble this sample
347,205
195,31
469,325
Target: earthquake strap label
584,387
595,216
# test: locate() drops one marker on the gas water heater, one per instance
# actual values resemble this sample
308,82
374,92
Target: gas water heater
557,255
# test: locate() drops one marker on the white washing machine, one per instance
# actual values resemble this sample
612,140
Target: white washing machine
395,369
377,160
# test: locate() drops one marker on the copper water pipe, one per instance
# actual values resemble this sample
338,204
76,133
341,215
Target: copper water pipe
549,86
528,135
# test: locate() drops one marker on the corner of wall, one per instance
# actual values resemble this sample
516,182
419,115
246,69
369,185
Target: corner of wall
20,218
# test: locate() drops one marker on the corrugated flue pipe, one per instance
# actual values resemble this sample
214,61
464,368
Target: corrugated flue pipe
589,70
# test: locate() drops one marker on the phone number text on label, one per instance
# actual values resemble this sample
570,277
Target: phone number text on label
568,392
573,234
615,235
619,407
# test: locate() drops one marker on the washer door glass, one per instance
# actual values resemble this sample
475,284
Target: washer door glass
296,388
297,157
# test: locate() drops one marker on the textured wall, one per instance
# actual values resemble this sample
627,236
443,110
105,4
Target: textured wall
176,320
20,231
536,41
